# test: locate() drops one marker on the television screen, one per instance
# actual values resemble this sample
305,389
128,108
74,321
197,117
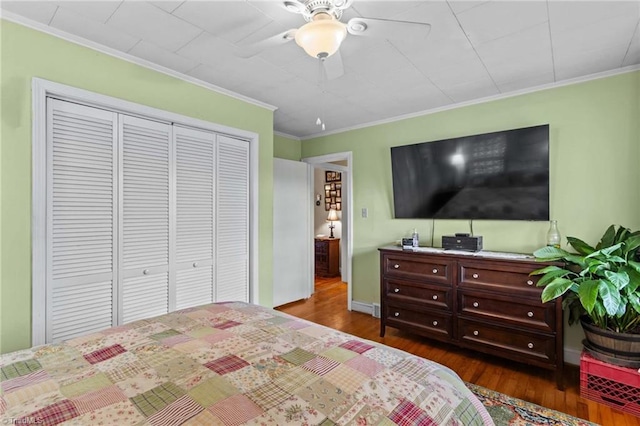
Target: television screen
501,175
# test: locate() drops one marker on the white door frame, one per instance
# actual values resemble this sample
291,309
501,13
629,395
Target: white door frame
326,162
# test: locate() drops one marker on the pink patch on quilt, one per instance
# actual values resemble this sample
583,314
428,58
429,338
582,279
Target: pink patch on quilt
365,365
176,413
296,325
236,410
104,354
174,340
226,364
409,414
225,325
356,346
320,365
52,414
98,399
23,381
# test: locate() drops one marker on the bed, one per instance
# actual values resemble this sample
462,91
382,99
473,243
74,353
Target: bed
229,364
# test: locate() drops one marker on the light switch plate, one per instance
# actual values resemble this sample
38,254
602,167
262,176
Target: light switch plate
365,212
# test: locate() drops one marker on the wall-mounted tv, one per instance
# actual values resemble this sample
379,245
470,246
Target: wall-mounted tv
501,175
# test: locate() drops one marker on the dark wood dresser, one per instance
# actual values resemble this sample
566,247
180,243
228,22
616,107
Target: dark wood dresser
483,302
327,255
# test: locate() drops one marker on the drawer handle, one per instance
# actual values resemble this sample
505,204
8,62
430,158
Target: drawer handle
435,323
396,290
475,332
434,297
396,266
529,282
475,275
530,314
397,314
476,304
530,345
435,271
146,272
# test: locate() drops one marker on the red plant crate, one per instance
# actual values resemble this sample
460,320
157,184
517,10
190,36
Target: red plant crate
612,385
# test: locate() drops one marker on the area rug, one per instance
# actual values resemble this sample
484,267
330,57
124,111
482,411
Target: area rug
508,411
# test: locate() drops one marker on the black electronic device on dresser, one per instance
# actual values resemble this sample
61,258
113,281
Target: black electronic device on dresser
489,304
464,242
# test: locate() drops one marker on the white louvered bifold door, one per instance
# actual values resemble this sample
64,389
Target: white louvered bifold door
195,155
144,218
81,211
232,220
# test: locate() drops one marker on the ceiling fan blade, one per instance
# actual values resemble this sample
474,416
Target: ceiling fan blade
252,49
389,29
333,66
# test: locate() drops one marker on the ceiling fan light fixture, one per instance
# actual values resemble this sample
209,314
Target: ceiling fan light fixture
322,36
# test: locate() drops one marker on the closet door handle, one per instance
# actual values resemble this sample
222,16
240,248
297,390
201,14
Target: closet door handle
195,264
145,271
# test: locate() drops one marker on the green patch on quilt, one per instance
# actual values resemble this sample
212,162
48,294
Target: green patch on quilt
154,400
297,356
278,320
201,332
329,422
339,354
176,368
212,390
90,384
165,334
19,369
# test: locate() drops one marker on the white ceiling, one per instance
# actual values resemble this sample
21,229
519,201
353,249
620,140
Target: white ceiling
476,49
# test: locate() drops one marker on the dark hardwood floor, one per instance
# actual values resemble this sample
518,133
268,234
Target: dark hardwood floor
328,306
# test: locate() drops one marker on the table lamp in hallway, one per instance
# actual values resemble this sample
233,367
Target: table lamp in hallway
333,217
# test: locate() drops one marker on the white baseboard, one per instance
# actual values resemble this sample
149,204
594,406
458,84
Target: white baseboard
365,308
571,355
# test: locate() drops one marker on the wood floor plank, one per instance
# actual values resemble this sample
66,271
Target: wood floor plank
328,306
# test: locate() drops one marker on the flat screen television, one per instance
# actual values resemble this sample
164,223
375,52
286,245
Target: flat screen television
501,175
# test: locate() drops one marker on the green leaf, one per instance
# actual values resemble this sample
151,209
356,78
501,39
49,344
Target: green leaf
604,251
555,289
545,270
619,279
610,297
550,253
635,265
588,293
621,235
634,302
634,278
631,244
608,238
580,246
551,275
578,260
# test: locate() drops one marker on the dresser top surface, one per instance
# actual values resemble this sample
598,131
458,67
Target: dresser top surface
498,255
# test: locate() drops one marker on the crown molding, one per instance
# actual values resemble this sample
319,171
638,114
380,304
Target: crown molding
38,26
286,135
569,82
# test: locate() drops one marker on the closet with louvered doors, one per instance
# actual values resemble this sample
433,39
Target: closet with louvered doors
143,217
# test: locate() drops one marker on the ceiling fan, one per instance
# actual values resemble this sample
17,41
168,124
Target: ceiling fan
323,33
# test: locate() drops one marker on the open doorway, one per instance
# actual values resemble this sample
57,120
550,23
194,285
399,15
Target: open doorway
331,191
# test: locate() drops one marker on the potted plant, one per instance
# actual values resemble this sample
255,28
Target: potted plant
600,287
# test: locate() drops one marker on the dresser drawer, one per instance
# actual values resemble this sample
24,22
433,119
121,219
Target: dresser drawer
507,341
429,322
412,266
510,279
528,313
432,296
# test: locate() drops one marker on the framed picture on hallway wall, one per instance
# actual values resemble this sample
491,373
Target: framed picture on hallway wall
330,176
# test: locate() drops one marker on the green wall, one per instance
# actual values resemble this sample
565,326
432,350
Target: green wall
594,166
287,148
26,53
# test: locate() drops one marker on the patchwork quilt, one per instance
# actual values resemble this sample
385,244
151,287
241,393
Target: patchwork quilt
229,364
